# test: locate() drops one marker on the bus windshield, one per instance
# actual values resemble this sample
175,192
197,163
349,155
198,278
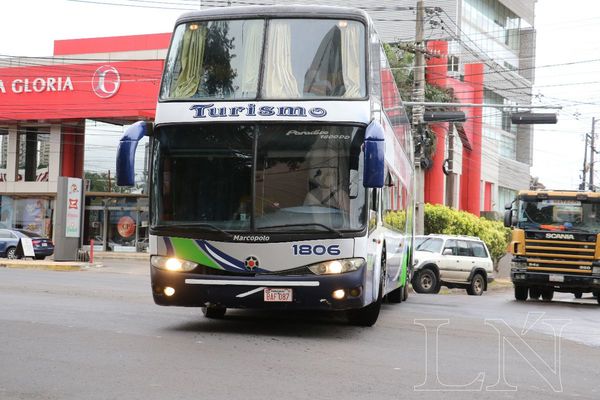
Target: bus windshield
259,177
555,214
298,59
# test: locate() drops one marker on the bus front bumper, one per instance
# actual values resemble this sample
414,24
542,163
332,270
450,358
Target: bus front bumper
315,292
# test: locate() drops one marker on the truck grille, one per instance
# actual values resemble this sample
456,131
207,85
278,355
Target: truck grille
567,253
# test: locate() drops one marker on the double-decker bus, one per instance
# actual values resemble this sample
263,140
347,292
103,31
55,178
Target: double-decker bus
279,146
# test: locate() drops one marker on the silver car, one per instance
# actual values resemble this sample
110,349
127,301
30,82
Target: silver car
452,261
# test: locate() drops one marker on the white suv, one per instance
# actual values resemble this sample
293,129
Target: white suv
452,261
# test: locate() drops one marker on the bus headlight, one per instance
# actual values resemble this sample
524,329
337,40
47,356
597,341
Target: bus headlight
172,264
337,266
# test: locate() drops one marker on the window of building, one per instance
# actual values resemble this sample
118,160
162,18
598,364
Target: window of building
508,146
505,195
33,155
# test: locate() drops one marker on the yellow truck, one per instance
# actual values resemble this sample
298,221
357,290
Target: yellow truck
555,243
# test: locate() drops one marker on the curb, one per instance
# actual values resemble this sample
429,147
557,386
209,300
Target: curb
44,265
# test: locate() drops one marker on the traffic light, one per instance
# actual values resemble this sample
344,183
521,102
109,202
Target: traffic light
533,118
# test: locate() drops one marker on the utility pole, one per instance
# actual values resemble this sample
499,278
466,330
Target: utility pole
584,170
417,116
592,151
451,177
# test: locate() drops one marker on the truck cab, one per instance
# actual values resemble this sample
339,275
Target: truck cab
555,243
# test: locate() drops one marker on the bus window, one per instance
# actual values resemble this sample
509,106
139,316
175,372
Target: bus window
313,58
215,59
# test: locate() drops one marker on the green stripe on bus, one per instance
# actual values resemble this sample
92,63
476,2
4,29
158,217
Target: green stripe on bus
187,249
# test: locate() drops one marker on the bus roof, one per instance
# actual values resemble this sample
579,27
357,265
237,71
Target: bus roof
541,194
287,11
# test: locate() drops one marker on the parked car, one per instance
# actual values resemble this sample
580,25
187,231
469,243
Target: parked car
451,261
9,239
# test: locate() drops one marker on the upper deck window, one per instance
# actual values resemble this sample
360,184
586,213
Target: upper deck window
303,59
214,60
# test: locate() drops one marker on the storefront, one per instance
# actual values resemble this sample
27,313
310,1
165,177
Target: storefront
116,222
43,111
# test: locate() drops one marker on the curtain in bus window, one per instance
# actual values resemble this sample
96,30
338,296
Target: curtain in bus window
328,173
192,56
325,76
280,81
351,59
252,53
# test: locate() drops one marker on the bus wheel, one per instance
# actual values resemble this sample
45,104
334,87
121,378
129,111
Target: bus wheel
396,295
366,316
521,292
213,311
547,294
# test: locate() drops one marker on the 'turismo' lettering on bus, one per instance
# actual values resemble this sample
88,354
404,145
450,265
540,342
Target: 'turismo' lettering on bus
251,110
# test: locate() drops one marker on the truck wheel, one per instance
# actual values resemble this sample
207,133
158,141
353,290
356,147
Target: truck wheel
476,286
214,312
535,293
521,292
426,281
578,295
547,294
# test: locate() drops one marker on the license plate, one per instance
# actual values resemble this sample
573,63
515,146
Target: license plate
44,244
556,278
278,295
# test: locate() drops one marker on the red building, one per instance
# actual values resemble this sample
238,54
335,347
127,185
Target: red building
44,103
468,168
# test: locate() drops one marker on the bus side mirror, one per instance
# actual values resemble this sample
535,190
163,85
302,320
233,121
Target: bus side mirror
126,152
508,218
373,175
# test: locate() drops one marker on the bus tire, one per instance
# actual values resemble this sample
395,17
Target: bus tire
405,291
397,295
214,312
366,316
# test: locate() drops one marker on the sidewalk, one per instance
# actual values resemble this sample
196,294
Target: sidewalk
100,259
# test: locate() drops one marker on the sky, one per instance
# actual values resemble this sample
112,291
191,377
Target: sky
565,73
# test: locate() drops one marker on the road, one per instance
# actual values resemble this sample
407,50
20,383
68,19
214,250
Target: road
96,334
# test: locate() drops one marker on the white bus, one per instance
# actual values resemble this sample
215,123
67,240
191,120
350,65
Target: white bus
279,146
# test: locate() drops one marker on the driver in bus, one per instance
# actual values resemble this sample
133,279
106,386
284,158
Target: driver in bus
326,191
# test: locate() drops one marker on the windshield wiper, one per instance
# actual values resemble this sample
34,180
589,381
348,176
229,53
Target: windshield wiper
330,229
192,226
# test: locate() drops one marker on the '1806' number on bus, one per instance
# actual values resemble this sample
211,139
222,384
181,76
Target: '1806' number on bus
317,250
